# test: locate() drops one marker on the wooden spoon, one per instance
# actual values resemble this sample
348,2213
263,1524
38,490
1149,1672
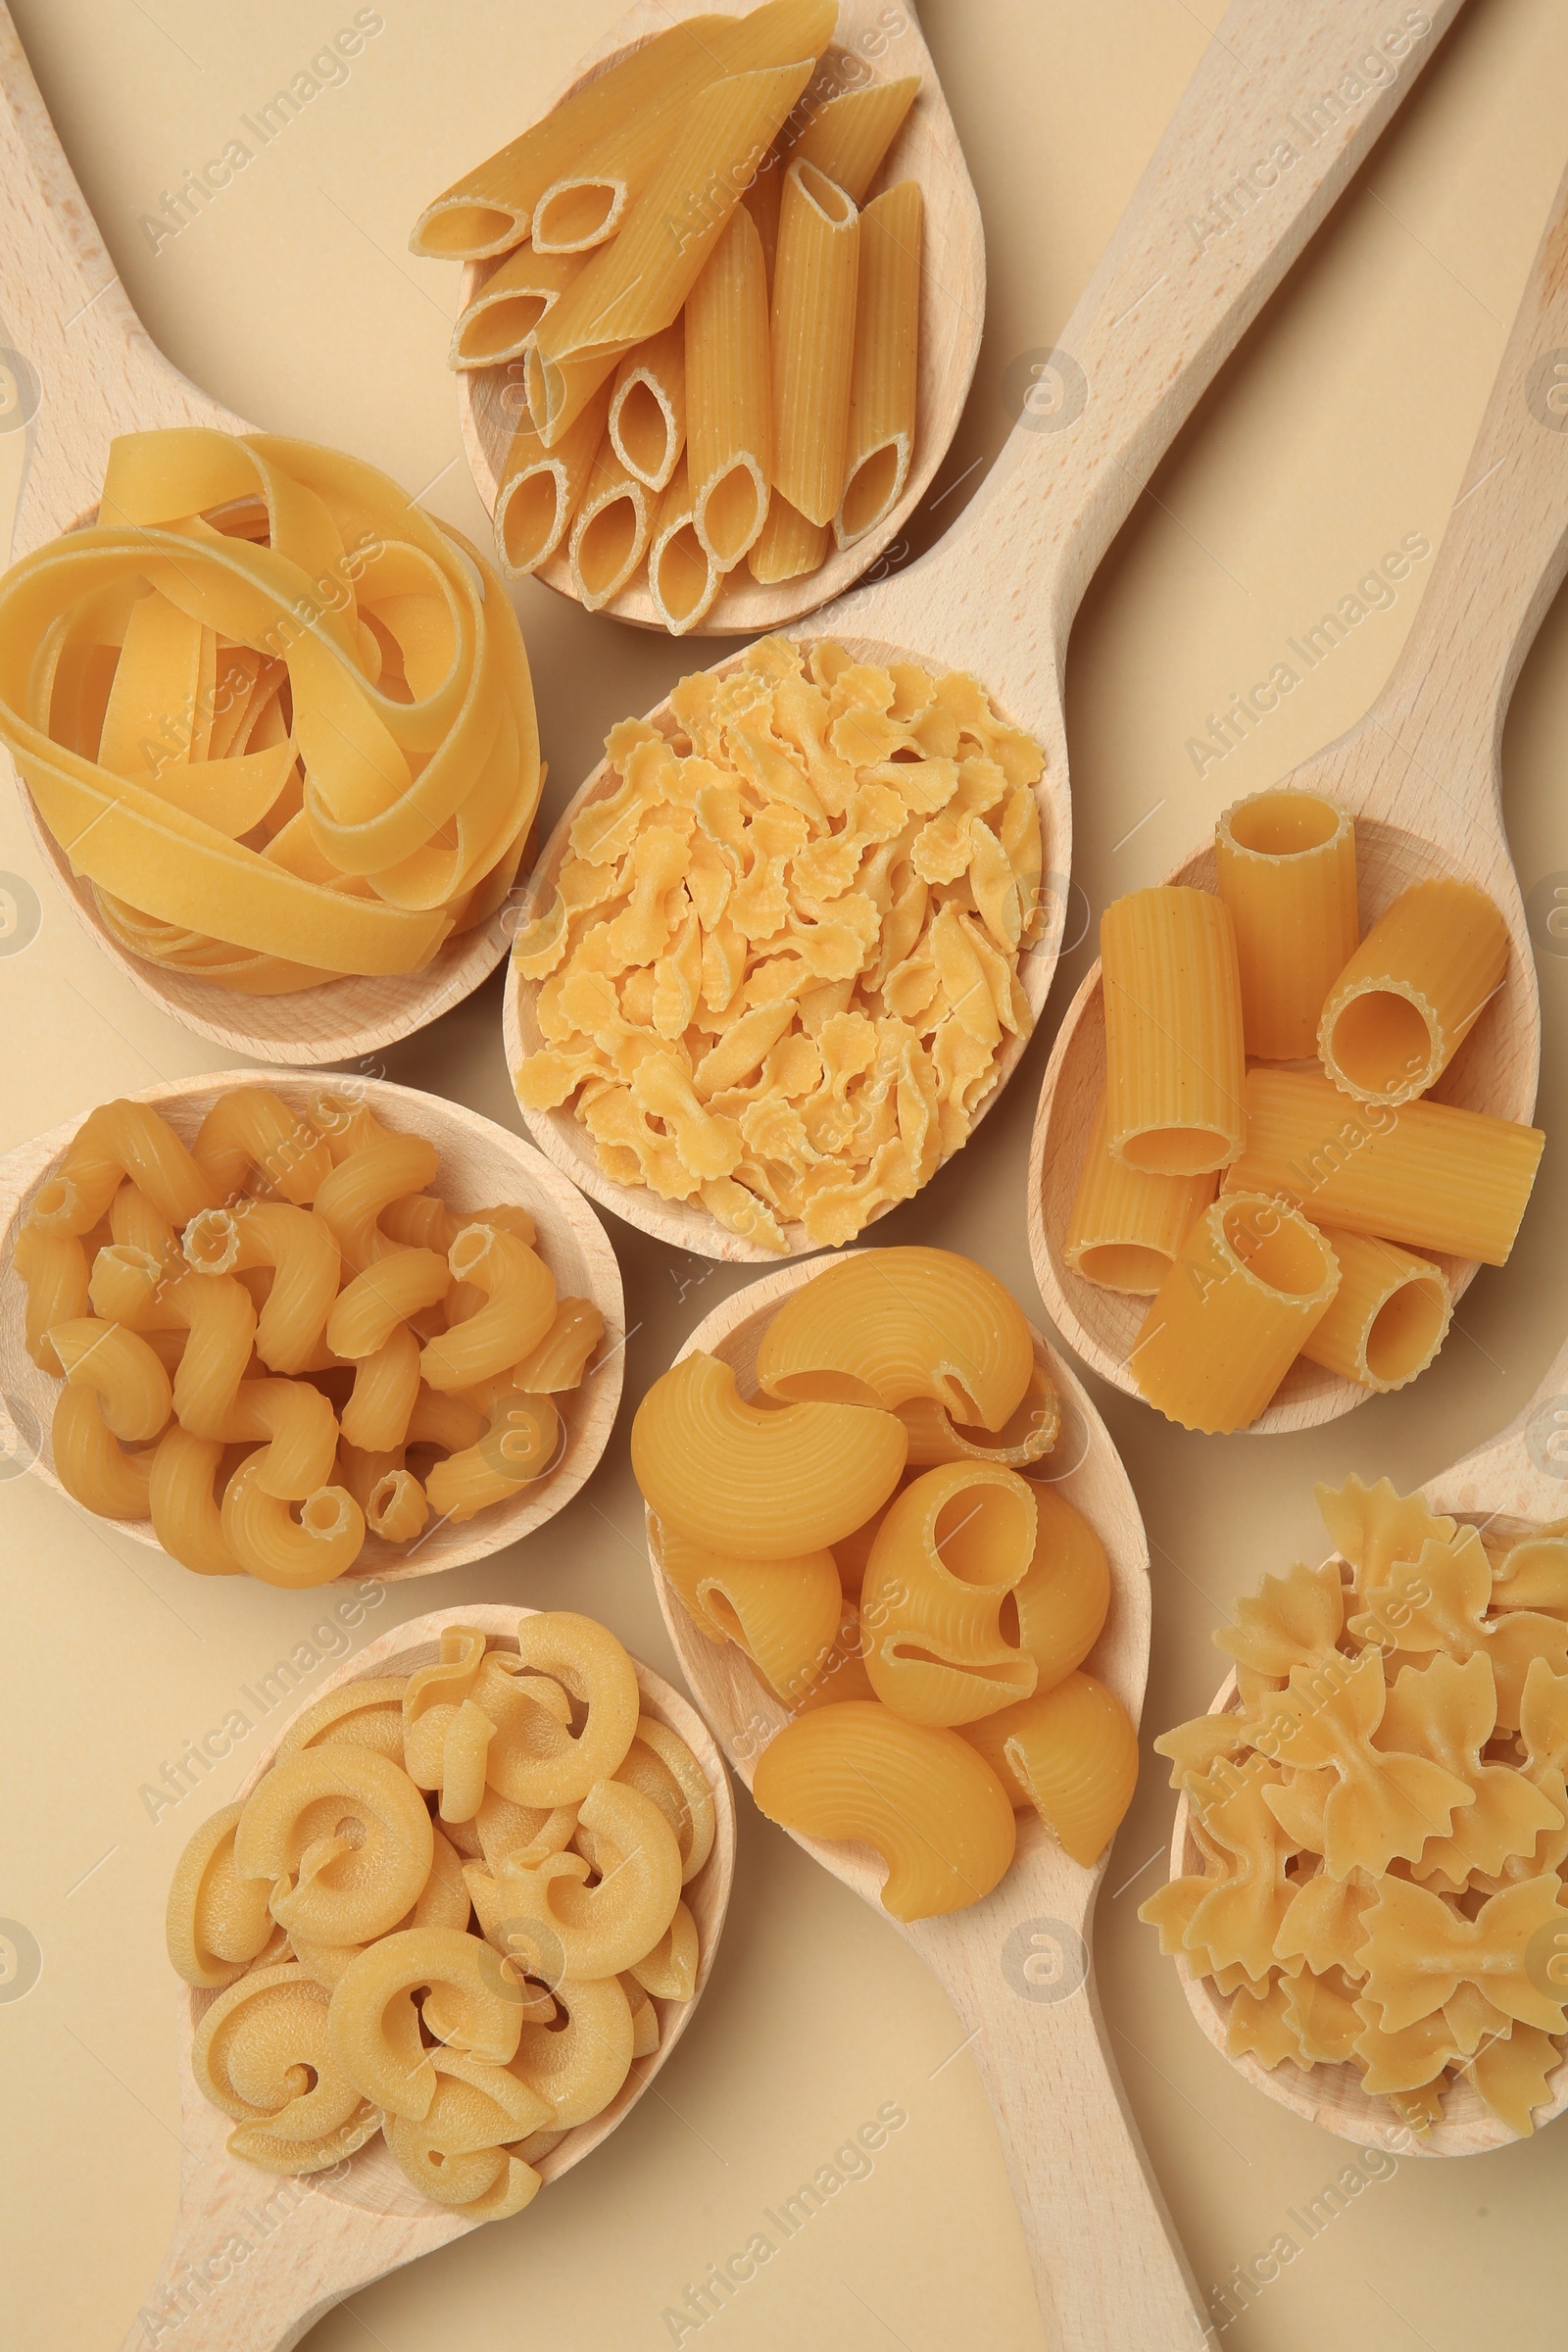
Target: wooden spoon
872,42
1108,2271
1512,1484
482,1166
1421,774
1169,300
330,2236
85,370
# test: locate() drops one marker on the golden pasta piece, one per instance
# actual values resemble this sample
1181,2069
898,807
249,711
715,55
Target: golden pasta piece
217,1923
1406,1002
521,1442
1448,1712
90,1463
375,2025
443,1903
121,1141
119,1370
1063,1597
1388,1318
1127,1225
560,1360
1291,1621
643,2017
263,2053
54,1267
536,1760
336,1886
305,1263
929,1805
1512,2073
1073,1752
1245,1904
669,1968
367,1713
1260,2024
949,1550
1374,1528
660,1763
883,378
365,1181
815,274
541,489
1383,1806
765,1485
728,376
496,324
849,137
610,530
1286,869
267,1539
1174,1060
1532,1575
1029,1433
252,1133
1248,1286
683,578
594,1931
180,1503
789,545
1418,1952
784,1614
647,408
580,2065
518,1311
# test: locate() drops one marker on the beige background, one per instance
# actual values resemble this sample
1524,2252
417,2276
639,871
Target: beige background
1343,423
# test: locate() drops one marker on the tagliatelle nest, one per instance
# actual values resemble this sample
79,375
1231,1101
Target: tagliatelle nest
781,963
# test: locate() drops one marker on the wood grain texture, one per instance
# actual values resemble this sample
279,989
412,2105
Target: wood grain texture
1519,1476
999,594
345,2230
865,47
1108,2271
482,1166
1422,775
95,372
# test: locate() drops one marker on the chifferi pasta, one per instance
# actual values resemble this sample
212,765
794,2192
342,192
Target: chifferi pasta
917,1601
396,1943
277,1339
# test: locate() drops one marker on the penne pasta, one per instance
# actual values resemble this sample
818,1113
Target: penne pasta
647,408
1286,864
509,305
727,363
1411,992
814,281
1251,1280
882,385
1174,1060
762,201
1389,1317
682,577
1126,1227
788,545
541,489
847,138
1426,1174
609,531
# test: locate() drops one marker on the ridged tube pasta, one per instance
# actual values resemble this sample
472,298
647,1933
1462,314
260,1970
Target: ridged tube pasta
396,1507
816,275
518,1311
849,137
884,378
115,1141
609,529
363,1714
375,2025
541,489
306,1263
1410,995
647,421
392,1291
336,1887
683,578
535,1761
271,1543
54,1267
933,1809
263,2054
893,1324
1127,1225
90,1463
760,1485
1072,1753
380,1414
180,1503
1064,1600
1028,1434
947,1554
1286,868
251,1129
497,323
790,545
1253,1281
594,1932
216,1923
580,2065
784,1614
120,1370
1388,1318
729,453
561,1358
1174,1060
365,1182
519,1442
299,1429
1426,1174
131,1286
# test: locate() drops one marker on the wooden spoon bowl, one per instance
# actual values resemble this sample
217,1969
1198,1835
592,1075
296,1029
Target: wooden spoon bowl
340,2231
996,597
1421,774
1503,1481
952,302
100,375
482,1166
1107,2268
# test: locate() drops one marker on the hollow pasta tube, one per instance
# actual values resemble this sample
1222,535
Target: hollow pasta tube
814,280
521,1442
252,1130
1126,1226
304,1255
1286,865
519,1308
366,1181
54,1268
609,531
386,1384
1174,1058
120,1140
729,400
683,578
789,545
263,1535
1413,991
541,489
122,1372
883,382
648,407
180,1503
849,137
496,324
392,1291
1389,1317
90,1463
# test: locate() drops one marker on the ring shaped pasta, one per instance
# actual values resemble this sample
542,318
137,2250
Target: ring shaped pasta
1072,1753
251,1131
890,1325
305,1265
593,1931
660,1763
363,1714
217,1923
468,1999
263,2054
519,1308
948,1551
344,1839
271,1543
185,1516
756,1484
580,2065
395,799
932,1808
536,1760
782,1613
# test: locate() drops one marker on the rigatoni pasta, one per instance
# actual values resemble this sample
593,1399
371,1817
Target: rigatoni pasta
1286,869
1410,995
1243,1296
1174,1056
1389,1317
1127,1225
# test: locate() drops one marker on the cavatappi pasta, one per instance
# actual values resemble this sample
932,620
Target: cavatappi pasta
296,1342
1381,1815
278,716
780,965
1334,1184
396,1945
687,257
922,1608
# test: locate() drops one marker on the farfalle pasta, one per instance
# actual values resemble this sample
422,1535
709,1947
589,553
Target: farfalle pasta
779,969
1382,1816
276,1339
866,1535
268,692
328,1919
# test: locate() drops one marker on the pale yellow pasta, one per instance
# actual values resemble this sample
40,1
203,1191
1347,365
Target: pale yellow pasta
950,1549
815,274
120,1141
541,489
1410,995
594,1932
784,1614
375,2026
263,1535
378,1850
1426,1174
1286,869
610,530
759,1484
1251,1280
249,1132
562,1357
660,1763
1174,1061
455,2156
643,2017
1128,1224
1389,1316
519,1310
579,2066
367,1180
521,1442
1029,1433
669,1969
590,1664
683,578
90,1463
495,325
378,1416
263,2054
304,1258
180,1503
367,1713
849,137
1062,1601
133,1218
729,454
787,546
392,1291
648,407
119,1370
217,1923
54,1268
931,1807
882,384
1072,1753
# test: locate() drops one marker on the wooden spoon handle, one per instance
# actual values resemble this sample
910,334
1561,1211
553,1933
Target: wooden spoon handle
1506,550
1108,2270
1264,139
87,368
1522,1473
